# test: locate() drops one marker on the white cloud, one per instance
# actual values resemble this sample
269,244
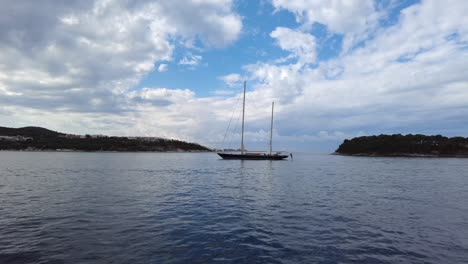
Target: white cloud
213,20
64,55
191,60
279,82
162,67
302,45
162,94
224,92
342,16
70,20
233,79
354,18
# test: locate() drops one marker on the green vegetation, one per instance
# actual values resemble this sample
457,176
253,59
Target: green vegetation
405,145
36,138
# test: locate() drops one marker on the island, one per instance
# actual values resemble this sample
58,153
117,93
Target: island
398,145
42,139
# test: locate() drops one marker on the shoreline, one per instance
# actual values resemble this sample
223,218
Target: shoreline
104,151
401,155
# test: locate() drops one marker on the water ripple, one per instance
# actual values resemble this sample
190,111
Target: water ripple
194,208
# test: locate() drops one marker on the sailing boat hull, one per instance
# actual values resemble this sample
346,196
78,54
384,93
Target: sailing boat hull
256,156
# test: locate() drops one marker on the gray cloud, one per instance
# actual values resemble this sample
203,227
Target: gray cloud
85,55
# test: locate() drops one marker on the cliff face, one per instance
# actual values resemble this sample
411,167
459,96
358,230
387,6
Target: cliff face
405,145
36,138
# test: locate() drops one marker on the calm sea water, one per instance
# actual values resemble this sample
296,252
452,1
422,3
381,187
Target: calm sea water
196,208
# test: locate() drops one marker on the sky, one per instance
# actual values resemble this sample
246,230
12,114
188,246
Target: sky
335,69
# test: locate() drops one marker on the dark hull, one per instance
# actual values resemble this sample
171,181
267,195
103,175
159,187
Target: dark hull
252,156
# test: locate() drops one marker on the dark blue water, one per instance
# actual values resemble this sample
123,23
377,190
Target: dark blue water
195,208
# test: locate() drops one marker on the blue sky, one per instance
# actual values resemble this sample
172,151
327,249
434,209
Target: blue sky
254,44
259,18
336,69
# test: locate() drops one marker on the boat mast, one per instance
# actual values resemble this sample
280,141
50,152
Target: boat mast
271,129
243,113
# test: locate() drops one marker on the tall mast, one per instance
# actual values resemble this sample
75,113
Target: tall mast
243,114
271,129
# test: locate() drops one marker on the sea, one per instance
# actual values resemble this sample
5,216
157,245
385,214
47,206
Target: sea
60,207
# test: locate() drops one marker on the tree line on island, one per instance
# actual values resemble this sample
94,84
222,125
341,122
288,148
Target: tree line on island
37,138
405,145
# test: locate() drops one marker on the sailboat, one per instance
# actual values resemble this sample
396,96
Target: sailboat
246,155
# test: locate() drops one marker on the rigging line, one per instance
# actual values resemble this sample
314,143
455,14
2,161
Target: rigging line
235,128
230,120
254,103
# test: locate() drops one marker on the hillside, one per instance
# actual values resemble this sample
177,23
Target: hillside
28,131
405,145
37,138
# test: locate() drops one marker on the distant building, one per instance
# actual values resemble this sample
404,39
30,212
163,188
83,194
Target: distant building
147,139
15,138
98,136
72,136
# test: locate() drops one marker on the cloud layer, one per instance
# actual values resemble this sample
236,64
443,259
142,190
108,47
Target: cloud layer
84,55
